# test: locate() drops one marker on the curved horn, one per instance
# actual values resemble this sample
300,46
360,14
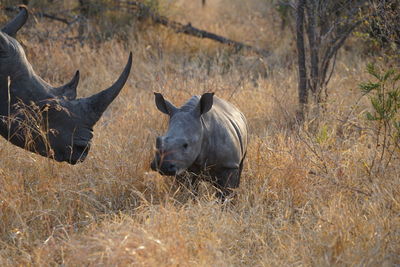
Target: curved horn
15,24
100,101
68,90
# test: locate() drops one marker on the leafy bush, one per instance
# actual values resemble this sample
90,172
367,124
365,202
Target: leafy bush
384,95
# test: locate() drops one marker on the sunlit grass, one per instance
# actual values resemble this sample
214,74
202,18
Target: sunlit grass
305,197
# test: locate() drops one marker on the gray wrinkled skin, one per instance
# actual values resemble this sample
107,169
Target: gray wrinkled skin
68,122
206,135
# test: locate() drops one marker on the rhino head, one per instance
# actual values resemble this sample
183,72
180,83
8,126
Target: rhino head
179,148
66,123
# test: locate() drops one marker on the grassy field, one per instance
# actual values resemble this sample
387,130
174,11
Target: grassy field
305,199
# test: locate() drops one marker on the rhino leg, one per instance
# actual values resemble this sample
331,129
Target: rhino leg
241,165
226,180
229,178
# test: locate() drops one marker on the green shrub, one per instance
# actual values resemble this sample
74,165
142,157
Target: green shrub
384,95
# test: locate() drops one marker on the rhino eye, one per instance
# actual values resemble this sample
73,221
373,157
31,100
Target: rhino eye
185,145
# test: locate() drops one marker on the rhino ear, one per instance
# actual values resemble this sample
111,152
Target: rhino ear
68,90
205,103
12,27
164,105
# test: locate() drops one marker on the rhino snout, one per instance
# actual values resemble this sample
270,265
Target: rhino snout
163,167
155,164
78,153
167,168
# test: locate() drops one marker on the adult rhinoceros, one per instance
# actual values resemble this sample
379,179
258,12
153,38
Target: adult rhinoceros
46,120
206,135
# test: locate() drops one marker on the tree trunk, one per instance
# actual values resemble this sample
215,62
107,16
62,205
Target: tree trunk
302,86
84,12
314,82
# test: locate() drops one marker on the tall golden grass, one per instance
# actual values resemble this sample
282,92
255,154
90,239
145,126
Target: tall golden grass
305,199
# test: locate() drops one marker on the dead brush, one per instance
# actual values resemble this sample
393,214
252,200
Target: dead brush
31,123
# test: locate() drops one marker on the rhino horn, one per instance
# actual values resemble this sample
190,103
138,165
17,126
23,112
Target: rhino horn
98,103
68,90
12,27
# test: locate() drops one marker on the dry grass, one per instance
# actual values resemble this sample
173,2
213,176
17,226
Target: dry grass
304,199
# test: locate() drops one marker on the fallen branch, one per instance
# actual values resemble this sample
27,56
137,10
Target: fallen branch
53,17
189,29
39,14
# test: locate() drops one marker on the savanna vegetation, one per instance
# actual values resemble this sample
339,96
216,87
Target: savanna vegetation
320,191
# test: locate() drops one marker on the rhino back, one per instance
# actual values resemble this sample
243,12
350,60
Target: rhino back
225,136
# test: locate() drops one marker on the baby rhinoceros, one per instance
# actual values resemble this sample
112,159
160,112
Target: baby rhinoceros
207,135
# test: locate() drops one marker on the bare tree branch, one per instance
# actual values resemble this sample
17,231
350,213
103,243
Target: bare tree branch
39,14
190,30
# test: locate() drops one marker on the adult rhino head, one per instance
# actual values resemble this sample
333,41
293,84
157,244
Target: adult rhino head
44,119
